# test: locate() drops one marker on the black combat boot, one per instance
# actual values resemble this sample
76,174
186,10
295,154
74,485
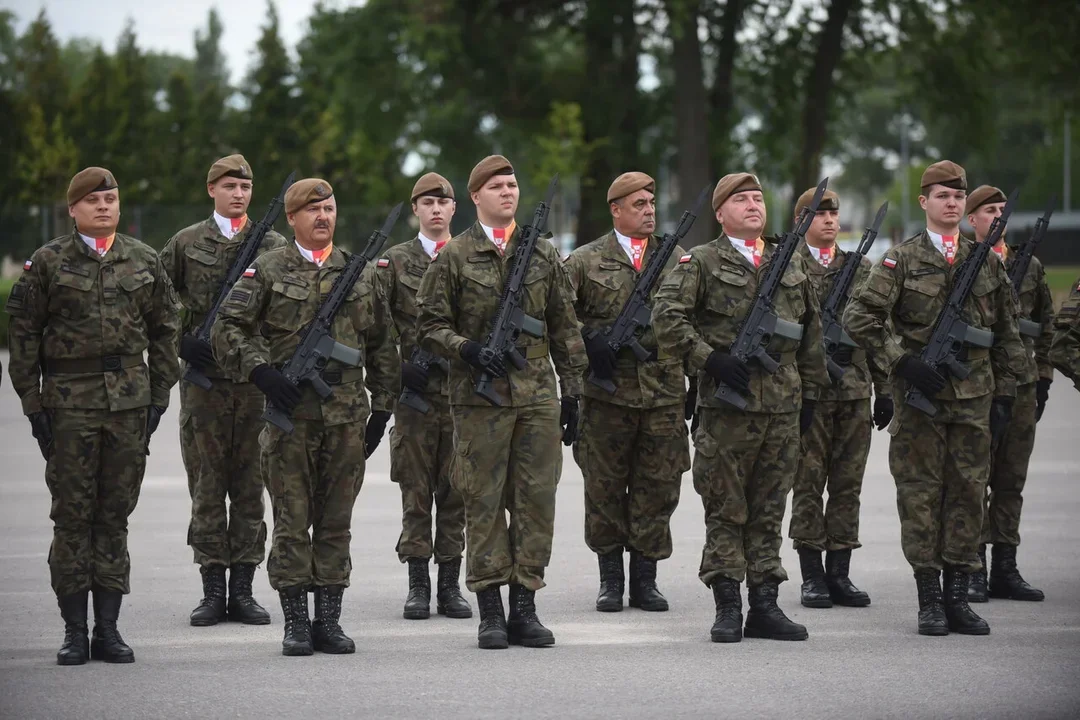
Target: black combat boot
523,627
76,647
841,590
729,620
449,600
932,619
962,619
418,602
242,605
612,582
491,634
211,609
643,592
977,586
326,633
297,623
767,620
106,643
1005,580
815,593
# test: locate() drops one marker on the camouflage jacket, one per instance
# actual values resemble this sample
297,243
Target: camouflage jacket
73,307
1037,305
459,297
197,259
856,382
909,286
267,310
702,303
1065,350
603,278
399,275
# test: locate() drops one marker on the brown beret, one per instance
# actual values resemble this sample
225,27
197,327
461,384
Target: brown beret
306,191
731,184
628,183
983,195
486,168
432,184
829,201
233,166
944,172
92,179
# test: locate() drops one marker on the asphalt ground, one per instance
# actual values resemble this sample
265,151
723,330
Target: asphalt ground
858,663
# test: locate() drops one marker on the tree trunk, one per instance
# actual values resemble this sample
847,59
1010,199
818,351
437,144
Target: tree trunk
722,98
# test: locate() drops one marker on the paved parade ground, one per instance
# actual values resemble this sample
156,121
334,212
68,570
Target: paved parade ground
858,663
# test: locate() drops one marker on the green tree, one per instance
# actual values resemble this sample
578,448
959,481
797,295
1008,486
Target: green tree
270,138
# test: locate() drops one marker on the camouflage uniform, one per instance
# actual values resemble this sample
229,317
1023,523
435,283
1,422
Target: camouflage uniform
219,428
1065,349
80,325
507,459
313,475
633,447
744,461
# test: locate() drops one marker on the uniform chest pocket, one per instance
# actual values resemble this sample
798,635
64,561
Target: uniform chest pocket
480,287
604,291
202,255
287,308
358,313
791,305
984,296
729,294
919,303
72,295
406,297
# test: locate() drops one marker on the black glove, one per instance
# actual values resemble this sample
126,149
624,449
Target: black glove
153,419
690,408
729,370
1042,394
568,419
883,412
376,427
471,353
283,394
601,356
843,355
41,428
196,352
806,415
922,376
414,377
1000,410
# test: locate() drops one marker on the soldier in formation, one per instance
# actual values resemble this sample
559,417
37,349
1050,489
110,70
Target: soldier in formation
1065,348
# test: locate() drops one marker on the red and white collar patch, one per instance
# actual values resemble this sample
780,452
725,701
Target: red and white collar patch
888,262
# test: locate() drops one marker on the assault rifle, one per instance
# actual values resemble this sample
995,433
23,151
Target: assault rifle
316,346
248,252
510,320
761,321
833,309
636,315
1022,261
951,333
422,359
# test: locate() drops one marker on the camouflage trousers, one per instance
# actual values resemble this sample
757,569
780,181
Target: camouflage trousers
940,466
94,473
219,441
833,458
421,448
507,460
313,476
744,467
1008,472
632,461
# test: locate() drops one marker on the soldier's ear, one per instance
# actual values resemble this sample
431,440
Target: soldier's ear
291,218
71,211
210,189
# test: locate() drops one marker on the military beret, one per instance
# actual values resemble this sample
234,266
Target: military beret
92,179
731,184
233,166
432,184
829,201
306,191
944,172
486,168
628,183
983,195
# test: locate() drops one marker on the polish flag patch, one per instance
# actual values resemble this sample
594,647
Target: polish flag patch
384,262
250,272
28,264
889,262
684,259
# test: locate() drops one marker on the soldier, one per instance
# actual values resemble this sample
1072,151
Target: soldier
744,461
422,444
86,308
1010,455
835,448
314,473
507,459
1065,349
941,463
219,428
633,447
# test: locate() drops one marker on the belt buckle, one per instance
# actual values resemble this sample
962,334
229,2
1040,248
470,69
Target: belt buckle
111,363
331,377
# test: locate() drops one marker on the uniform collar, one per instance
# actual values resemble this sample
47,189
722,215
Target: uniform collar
225,225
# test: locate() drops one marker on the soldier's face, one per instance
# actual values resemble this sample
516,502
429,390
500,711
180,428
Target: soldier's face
497,200
823,229
743,215
97,214
635,214
231,196
434,214
314,223
983,218
944,206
